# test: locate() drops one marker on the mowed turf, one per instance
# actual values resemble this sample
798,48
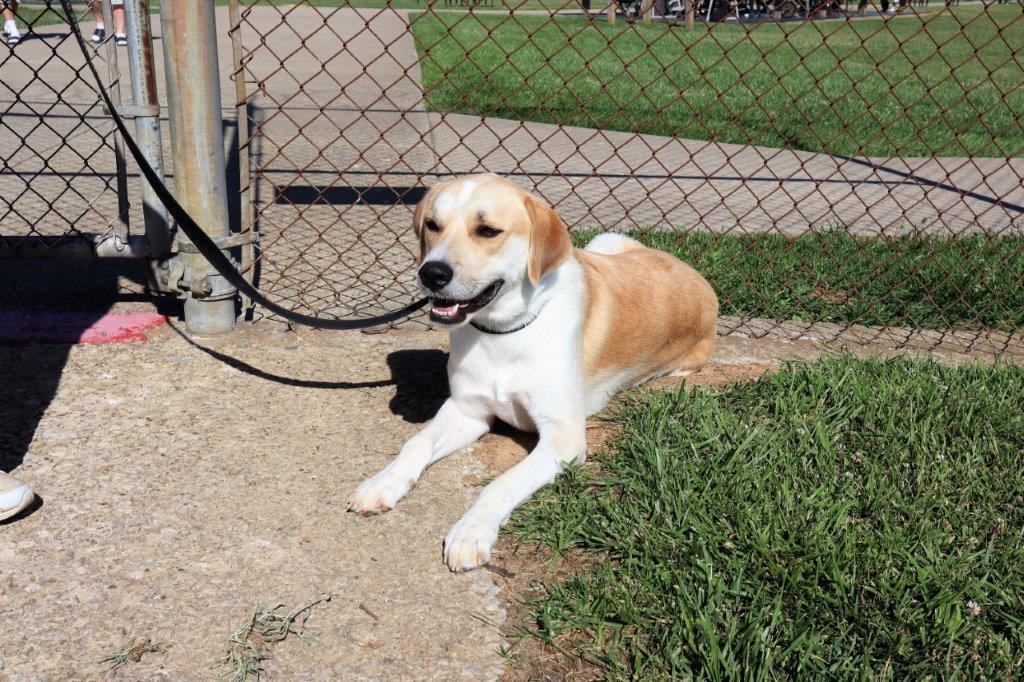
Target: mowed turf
972,282
848,519
946,84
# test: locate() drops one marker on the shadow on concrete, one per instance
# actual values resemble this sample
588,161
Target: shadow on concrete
420,378
72,295
421,383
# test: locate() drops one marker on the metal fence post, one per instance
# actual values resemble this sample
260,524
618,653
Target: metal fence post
197,144
146,110
114,88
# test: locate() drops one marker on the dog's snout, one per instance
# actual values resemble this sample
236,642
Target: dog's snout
436,274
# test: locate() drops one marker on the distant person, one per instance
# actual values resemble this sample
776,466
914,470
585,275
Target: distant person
862,5
15,496
11,33
886,8
100,34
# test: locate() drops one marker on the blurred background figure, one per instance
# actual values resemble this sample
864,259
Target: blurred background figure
11,33
100,34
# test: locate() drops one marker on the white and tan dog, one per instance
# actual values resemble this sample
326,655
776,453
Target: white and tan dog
542,335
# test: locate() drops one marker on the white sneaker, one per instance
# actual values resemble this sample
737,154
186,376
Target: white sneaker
15,496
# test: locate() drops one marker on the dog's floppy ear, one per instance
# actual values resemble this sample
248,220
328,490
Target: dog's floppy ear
550,244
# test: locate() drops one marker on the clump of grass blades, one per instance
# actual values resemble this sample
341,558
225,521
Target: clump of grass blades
926,282
843,519
249,646
133,653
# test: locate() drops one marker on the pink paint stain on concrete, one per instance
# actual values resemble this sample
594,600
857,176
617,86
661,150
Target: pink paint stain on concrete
76,327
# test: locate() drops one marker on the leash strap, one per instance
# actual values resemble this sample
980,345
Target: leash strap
203,243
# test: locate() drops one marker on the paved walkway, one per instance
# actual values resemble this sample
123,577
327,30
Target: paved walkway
181,488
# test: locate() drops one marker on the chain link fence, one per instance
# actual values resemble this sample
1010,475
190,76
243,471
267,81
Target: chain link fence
849,173
845,174
63,182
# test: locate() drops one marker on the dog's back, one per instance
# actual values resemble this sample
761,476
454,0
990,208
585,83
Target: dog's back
648,314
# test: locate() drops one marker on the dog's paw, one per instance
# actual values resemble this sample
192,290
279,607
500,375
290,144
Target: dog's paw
469,544
378,494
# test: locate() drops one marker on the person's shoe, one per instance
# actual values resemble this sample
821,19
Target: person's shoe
99,35
15,496
13,37
121,40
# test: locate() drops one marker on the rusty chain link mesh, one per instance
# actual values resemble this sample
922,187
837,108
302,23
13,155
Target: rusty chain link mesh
58,166
846,174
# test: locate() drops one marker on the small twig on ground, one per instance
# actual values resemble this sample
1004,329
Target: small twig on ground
133,653
249,646
365,609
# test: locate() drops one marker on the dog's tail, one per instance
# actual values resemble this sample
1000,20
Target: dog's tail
611,243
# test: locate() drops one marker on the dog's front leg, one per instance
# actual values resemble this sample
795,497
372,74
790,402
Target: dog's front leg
453,428
469,542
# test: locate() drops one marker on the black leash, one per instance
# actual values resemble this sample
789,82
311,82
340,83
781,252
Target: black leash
203,243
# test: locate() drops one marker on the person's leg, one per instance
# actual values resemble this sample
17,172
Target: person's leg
10,26
118,12
100,33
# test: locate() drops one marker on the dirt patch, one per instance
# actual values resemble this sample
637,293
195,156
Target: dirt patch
522,573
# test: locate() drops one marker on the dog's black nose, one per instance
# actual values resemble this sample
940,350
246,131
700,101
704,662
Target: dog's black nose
435,274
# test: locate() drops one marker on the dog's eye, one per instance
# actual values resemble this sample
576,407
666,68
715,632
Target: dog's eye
486,231
431,225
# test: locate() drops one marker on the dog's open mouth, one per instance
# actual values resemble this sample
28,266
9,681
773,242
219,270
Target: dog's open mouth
449,311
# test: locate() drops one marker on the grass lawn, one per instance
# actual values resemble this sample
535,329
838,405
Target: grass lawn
947,84
838,520
930,283
28,15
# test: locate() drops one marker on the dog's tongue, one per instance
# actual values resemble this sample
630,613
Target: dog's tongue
446,309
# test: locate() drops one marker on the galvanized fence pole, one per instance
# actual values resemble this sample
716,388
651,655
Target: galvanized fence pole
114,88
197,144
248,214
146,111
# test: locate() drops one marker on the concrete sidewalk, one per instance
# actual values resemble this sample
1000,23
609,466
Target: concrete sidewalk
183,485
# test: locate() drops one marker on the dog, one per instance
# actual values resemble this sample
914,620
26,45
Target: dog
542,336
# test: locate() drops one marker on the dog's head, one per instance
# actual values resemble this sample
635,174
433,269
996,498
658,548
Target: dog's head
481,236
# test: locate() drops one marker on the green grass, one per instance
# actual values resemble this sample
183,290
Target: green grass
946,84
972,282
839,520
40,16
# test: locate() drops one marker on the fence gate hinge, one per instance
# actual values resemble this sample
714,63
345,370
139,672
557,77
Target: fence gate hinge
182,279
